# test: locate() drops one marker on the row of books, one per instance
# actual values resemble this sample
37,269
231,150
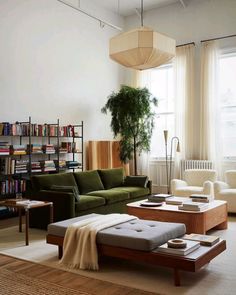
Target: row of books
19,149
26,129
12,166
12,186
193,242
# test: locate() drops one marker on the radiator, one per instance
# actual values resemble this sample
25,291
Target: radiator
194,164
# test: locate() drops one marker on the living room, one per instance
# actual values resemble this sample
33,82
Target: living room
55,65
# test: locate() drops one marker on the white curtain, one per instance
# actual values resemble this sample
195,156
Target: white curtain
184,103
210,147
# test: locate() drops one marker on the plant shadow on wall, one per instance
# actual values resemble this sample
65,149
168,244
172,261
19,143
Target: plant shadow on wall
132,119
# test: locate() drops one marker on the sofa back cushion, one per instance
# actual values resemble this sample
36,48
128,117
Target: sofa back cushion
40,182
88,181
112,177
66,188
196,177
230,177
139,180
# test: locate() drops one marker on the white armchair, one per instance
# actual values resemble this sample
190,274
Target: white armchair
196,181
227,190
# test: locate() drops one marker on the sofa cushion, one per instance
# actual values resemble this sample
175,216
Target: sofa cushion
111,196
88,202
112,177
138,180
40,182
134,192
186,191
88,181
66,188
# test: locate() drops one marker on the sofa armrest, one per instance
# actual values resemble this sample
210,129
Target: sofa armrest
219,185
208,188
177,183
63,204
149,186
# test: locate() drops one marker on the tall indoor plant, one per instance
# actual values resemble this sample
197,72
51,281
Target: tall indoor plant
133,119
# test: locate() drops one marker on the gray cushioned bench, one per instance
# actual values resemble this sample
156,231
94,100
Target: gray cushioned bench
144,235
138,240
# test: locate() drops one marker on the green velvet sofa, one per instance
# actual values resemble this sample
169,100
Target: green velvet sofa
100,191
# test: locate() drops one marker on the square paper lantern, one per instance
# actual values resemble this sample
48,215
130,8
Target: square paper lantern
142,48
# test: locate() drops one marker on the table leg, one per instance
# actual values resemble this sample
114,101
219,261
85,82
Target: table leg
51,213
223,225
26,226
176,277
20,220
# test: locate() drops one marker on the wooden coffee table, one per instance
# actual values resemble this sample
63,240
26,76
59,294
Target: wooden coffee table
215,216
26,207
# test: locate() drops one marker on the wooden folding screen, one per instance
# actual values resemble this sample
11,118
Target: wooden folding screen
104,154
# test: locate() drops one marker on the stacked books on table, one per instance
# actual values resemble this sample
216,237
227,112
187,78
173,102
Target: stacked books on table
193,206
204,240
201,198
191,246
176,200
158,198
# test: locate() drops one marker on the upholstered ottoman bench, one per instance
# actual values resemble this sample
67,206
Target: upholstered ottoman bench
137,240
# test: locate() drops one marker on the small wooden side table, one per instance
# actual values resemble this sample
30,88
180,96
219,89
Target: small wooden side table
26,205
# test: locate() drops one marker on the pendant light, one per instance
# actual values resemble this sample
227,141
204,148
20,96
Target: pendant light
142,48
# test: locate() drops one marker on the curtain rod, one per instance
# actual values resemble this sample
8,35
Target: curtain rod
190,43
219,38
92,16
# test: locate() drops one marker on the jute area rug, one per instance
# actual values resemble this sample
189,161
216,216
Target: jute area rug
216,278
18,284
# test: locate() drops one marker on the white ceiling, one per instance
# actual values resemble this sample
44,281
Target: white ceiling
127,7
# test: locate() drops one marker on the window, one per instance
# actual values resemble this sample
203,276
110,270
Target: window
227,92
162,87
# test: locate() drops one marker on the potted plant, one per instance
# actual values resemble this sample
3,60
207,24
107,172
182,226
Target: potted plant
133,119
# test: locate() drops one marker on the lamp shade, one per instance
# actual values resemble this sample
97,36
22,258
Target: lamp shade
142,48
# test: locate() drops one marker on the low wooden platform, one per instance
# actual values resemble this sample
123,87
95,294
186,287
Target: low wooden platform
191,262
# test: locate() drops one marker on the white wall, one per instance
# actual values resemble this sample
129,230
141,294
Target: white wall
54,63
200,20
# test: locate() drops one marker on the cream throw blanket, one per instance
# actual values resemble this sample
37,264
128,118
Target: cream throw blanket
79,247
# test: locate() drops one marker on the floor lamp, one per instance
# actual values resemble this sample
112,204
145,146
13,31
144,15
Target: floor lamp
168,175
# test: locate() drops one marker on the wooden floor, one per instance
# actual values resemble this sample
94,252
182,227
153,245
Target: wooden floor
66,279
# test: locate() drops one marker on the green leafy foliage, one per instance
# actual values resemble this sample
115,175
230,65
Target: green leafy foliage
132,119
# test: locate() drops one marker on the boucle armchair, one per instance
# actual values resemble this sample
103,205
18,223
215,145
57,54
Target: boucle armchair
195,181
227,190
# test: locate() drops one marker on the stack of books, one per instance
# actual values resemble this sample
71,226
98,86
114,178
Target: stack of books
191,246
21,166
4,148
158,198
193,206
35,148
49,149
35,167
201,198
204,240
49,166
176,200
18,149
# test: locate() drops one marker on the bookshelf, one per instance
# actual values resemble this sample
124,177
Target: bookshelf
28,148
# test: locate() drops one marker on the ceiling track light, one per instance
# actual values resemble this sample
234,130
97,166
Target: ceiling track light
102,22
